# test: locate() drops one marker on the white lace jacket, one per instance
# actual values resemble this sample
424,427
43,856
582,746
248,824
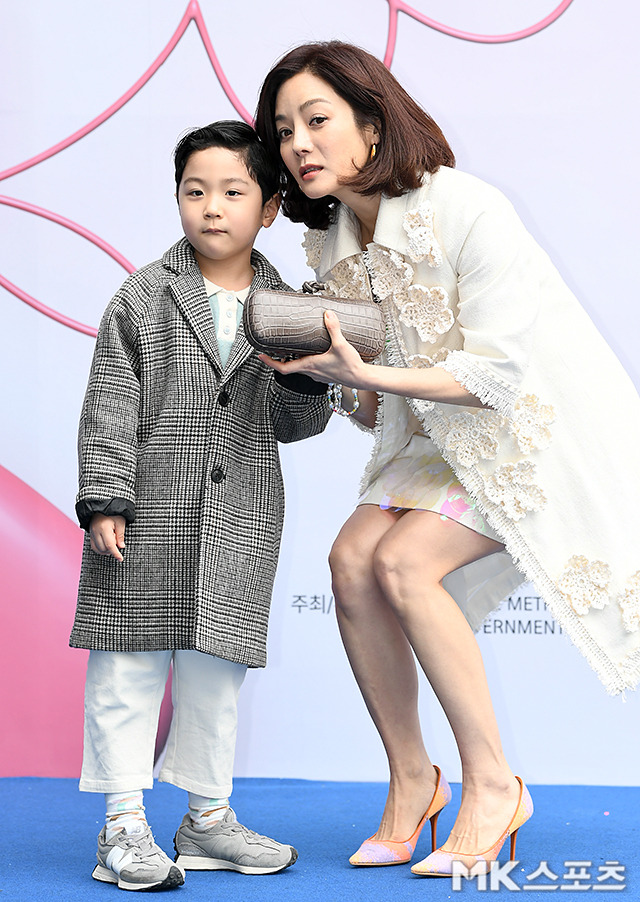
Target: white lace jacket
550,462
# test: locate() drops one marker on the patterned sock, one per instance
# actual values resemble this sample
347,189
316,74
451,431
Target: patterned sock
125,811
205,811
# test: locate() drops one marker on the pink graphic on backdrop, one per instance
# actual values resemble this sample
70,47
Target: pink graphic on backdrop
194,13
41,692
397,6
79,230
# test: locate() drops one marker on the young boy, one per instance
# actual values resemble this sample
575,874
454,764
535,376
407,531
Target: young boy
178,454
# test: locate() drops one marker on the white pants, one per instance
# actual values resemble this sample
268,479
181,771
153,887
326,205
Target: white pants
123,694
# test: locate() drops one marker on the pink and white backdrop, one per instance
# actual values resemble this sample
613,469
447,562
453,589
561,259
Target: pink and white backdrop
536,97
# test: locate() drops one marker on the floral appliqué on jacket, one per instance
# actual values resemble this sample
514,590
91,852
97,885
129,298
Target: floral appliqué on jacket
471,436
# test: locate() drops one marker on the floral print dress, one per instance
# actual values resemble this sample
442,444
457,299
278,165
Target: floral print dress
418,478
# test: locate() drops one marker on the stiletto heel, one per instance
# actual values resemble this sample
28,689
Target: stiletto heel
378,852
513,845
434,829
440,863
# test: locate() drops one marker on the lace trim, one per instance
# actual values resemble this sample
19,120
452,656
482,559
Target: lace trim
529,424
499,395
473,436
629,602
616,677
389,272
424,361
377,440
427,311
313,244
418,224
397,353
585,583
513,488
349,279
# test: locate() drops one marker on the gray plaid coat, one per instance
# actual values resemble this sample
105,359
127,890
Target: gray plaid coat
188,452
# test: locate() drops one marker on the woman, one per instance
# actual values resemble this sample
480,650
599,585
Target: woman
502,423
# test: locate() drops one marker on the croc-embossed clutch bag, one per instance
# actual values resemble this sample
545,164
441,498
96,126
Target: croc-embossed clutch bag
291,324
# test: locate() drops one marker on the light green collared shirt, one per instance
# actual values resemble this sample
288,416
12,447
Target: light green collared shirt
226,309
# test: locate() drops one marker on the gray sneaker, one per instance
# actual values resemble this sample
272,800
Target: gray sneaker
135,862
230,846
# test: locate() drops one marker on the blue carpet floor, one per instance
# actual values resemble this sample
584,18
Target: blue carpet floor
49,829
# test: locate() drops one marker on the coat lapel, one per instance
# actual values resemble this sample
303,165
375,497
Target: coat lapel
189,294
265,277
191,300
240,350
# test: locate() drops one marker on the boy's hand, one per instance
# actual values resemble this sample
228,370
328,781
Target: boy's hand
107,535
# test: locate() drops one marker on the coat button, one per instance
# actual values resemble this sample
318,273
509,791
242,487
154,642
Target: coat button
217,476
223,399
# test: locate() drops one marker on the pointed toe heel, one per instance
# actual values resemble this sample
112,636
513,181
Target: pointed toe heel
440,863
381,852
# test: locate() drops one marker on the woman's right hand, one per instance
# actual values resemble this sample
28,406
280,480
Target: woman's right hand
107,535
341,363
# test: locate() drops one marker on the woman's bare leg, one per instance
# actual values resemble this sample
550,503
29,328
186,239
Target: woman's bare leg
410,562
384,667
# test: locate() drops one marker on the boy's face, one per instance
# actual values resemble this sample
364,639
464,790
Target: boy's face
221,208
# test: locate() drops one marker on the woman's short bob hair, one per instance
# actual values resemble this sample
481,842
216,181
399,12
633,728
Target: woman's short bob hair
410,145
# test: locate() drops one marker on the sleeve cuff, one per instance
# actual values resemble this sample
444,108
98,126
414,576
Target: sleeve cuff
110,507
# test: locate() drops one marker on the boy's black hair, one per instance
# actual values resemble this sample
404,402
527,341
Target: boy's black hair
236,136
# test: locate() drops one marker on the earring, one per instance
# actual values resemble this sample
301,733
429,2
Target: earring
373,151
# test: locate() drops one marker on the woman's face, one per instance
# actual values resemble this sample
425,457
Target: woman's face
321,143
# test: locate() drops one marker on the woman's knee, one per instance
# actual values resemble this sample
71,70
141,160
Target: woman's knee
389,565
402,574
351,571
345,560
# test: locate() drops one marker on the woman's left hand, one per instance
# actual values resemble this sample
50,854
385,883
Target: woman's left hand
341,363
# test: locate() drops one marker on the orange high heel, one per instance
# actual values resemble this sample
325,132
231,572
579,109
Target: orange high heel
440,863
378,852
